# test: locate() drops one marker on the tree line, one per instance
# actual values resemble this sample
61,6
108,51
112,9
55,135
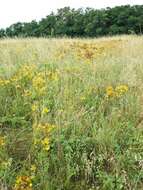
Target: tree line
87,22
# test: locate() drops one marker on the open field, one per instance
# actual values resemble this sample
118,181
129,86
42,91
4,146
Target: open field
71,114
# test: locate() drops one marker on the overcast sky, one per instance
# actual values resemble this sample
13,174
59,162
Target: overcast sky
12,11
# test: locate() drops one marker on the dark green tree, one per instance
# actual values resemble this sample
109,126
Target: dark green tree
87,22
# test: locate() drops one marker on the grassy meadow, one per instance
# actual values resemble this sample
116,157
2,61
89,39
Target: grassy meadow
71,114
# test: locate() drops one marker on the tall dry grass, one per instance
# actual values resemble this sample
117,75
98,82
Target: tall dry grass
71,113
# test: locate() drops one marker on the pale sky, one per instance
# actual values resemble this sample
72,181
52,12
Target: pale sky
12,11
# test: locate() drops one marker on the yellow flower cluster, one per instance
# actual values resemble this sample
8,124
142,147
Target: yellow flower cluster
39,83
116,92
2,141
91,50
45,110
45,130
33,168
121,89
23,183
110,91
46,143
4,82
25,71
27,93
34,107
85,50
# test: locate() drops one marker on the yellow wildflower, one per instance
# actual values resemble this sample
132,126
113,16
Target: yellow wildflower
120,90
18,86
46,144
4,82
46,128
23,182
45,110
27,93
34,107
110,91
2,141
26,71
39,81
33,168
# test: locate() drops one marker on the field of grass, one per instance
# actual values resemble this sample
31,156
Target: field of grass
71,114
